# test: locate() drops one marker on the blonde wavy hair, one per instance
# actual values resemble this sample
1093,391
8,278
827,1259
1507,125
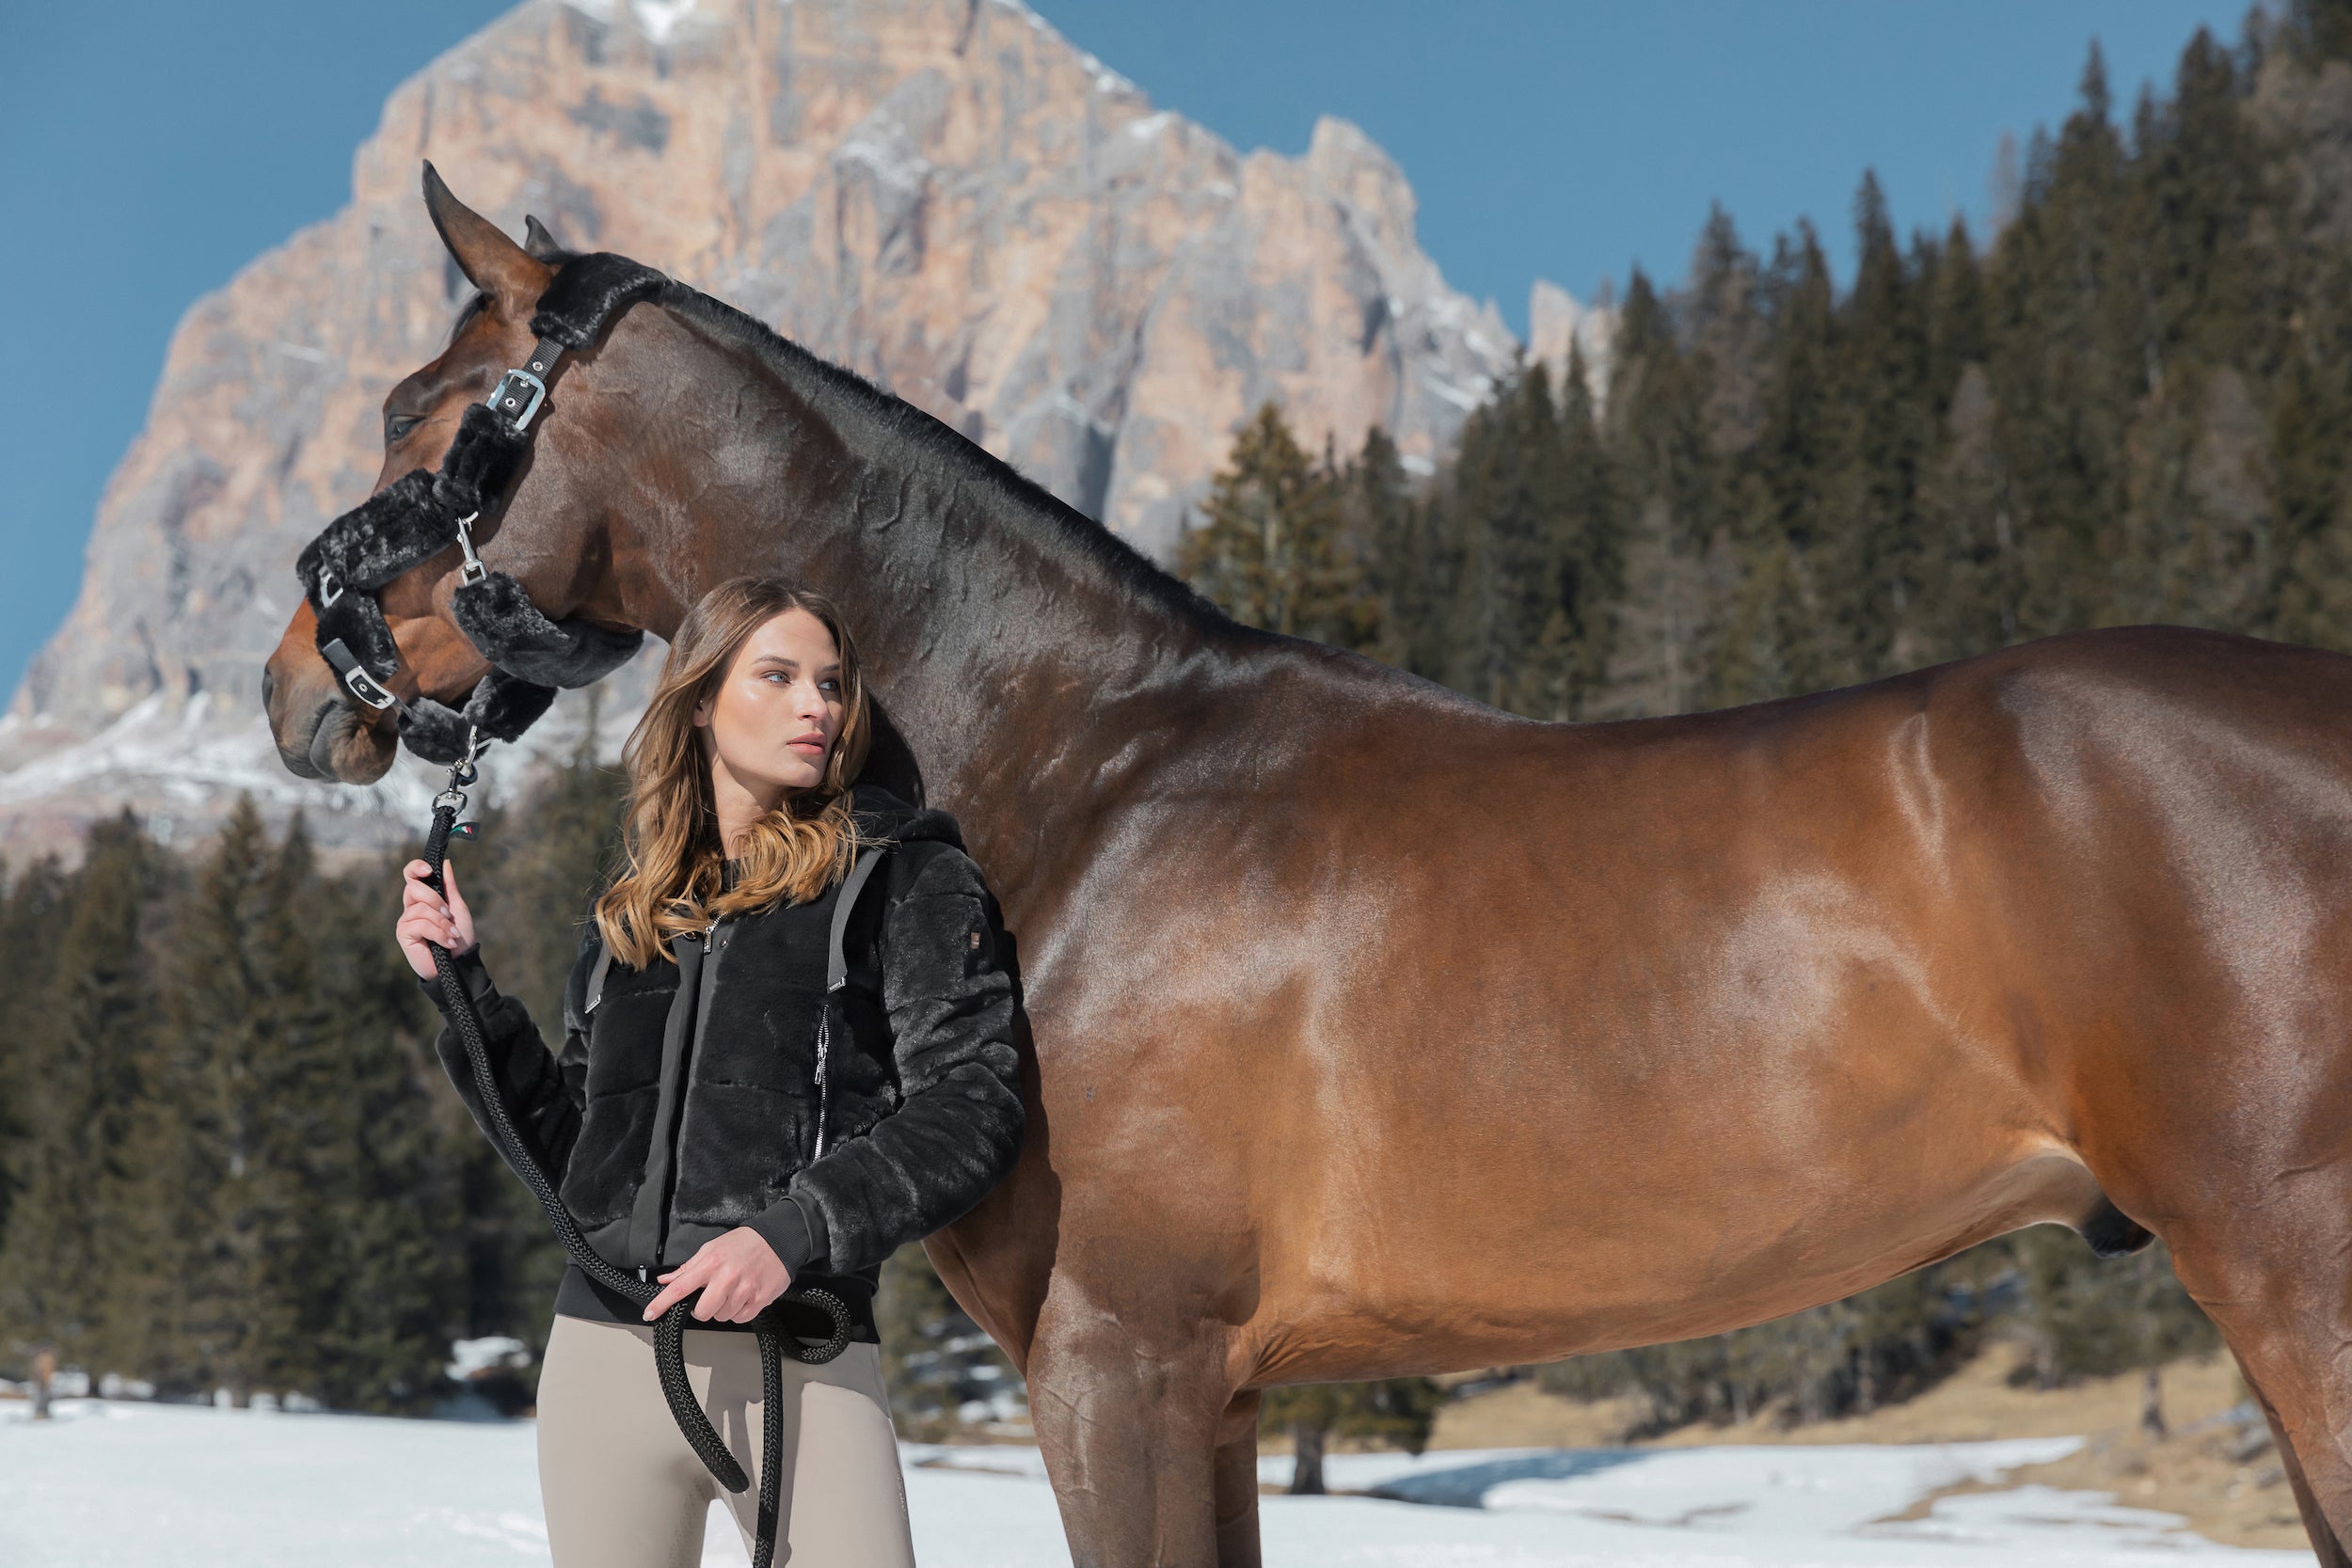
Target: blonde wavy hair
673,875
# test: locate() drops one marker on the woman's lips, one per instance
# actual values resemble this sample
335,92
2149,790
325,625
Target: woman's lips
808,745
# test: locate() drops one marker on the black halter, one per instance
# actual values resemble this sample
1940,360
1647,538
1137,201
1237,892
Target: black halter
421,514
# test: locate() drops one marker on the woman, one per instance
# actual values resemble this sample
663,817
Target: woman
683,1120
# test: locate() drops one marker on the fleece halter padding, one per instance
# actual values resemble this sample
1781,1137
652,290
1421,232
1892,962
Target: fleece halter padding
421,514
495,613
500,706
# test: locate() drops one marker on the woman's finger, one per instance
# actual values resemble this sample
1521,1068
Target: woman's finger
683,1282
430,912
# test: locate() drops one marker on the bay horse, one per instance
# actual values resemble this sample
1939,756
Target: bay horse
1377,1032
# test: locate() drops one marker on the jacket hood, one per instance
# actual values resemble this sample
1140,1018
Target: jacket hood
881,814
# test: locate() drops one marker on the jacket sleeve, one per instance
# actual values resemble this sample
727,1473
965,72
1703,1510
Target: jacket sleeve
543,1092
957,1128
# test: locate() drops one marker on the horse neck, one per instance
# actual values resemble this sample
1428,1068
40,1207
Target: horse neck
999,641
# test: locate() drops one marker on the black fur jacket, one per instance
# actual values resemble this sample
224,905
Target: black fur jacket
685,1103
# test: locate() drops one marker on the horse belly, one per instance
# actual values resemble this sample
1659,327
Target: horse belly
1538,1181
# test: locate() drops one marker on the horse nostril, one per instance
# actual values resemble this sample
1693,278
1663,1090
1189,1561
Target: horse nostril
269,689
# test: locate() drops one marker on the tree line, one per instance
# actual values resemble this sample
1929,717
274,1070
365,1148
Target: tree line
2133,403
231,1165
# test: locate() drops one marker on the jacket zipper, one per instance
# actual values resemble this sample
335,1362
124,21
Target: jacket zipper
711,945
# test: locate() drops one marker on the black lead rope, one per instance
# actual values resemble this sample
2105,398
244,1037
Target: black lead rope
669,1334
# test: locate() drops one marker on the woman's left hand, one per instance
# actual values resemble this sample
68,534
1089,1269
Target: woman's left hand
739,1274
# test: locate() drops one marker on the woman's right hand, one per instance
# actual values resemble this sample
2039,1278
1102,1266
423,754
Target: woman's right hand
425,916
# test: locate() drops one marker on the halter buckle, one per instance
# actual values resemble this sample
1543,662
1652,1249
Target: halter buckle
367,688
517,398
364,687
355,676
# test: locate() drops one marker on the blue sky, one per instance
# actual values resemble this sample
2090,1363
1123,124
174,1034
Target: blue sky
149,148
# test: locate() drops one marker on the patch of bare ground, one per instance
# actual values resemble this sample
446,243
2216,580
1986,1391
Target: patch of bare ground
2216,1468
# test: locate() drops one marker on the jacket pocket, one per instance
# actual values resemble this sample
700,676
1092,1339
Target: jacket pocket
608,1161
738,1150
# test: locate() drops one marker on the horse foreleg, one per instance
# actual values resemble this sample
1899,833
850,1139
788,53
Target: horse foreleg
1237,1484
1127,1413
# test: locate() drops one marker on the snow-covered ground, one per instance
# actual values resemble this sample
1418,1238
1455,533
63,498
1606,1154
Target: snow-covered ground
189,1487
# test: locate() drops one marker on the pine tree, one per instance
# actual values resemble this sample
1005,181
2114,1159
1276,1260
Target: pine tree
1398,1411
30,915
1869,563
1505,505
1561,675
1268,548
381,1292
82,1059
1666,491
1383,528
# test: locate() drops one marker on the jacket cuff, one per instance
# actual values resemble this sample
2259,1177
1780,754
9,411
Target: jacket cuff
793,1230
471,971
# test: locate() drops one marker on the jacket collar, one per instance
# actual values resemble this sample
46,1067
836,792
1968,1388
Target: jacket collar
880,815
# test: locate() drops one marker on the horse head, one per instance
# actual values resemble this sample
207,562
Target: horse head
557,536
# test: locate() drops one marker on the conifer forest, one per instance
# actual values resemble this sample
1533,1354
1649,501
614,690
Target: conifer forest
229,1159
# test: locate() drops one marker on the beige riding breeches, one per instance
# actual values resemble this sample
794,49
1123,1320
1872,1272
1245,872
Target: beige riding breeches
623,1490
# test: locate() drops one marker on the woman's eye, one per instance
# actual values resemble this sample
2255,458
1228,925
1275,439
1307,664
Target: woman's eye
398,425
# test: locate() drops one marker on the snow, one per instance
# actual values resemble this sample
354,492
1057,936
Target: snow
887,156
656,19
660,18
205,1488
198,756
470,1358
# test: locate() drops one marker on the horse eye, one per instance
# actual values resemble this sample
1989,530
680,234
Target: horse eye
398,425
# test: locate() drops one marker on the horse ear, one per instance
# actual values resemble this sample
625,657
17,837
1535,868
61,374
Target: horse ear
542,244
490,261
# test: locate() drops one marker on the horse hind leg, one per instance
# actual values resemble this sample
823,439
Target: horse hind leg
2325,1541
2271,1276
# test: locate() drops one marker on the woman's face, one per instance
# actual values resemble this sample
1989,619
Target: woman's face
771,724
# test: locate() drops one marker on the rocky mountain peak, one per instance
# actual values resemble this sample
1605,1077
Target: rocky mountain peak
945,195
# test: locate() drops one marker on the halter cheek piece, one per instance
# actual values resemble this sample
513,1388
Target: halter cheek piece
421,514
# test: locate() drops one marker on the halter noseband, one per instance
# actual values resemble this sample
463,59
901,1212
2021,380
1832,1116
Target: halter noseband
421,513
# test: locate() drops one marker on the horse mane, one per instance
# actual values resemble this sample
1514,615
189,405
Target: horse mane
1062,527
